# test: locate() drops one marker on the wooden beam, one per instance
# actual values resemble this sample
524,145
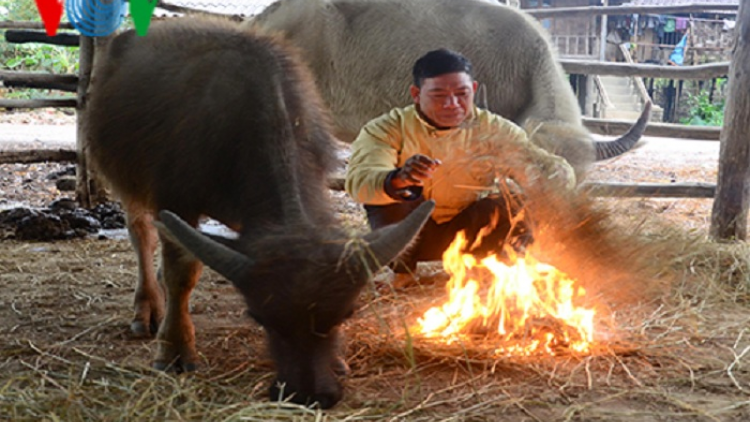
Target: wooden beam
67,83
608,189
697,7
336,182
31,25
650,190
699,72
38,103
38,156
664,130
729,213
195,12
26,36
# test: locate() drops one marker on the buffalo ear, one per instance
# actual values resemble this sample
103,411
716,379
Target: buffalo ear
216,254
387,243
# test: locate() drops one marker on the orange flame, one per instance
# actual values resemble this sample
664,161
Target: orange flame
528,304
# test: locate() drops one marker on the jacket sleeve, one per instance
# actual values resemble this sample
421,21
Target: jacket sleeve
375,154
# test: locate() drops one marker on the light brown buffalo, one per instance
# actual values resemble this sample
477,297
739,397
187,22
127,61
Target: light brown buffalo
204,119
361,53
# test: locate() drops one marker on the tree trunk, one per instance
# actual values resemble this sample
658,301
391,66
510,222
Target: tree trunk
729,214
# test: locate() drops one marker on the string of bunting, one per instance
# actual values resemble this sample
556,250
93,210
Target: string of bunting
95,18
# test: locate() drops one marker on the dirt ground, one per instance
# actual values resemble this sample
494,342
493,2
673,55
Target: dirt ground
66,353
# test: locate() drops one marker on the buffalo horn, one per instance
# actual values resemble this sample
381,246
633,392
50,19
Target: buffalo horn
610,149
387,243
224,260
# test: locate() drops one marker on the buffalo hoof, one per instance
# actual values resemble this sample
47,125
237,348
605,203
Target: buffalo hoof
320,400
141,330
177,367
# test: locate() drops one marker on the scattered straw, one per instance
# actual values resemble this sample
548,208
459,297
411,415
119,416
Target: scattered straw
677,348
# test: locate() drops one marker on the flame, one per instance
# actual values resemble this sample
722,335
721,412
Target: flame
528,304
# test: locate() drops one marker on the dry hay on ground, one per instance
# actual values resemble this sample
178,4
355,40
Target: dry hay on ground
67,354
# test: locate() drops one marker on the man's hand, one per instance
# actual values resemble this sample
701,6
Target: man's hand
416,169
564,173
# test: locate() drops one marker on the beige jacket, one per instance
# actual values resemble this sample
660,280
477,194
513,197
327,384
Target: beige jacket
485,148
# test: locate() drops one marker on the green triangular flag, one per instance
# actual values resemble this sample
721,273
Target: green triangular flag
141,11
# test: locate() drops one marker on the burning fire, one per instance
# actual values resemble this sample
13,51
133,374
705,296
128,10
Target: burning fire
529,304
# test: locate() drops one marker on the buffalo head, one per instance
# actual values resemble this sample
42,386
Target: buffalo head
300,284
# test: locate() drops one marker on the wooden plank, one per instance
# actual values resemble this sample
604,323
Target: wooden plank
650,190
66,83
608,189
665,130
558,12
26,36
336,182
698,72
31,25
195,12
38,103
38,156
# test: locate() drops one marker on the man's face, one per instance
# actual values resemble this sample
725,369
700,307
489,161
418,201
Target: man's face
445,100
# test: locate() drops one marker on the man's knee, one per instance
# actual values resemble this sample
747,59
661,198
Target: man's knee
499,221
489,210
384,215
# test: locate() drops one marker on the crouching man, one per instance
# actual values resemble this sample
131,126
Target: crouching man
437,148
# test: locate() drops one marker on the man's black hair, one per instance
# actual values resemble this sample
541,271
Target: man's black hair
439,62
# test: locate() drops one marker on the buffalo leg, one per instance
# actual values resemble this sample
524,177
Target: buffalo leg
177,335
149,296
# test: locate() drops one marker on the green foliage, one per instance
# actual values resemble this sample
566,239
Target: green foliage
19,10
660,83
32,57
704,112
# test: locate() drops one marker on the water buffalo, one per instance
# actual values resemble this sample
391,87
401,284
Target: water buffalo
361,53
202,118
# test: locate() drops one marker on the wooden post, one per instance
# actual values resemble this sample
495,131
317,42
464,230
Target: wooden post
669,109
85,186
590,97
634,40
603,34
729,213
677,96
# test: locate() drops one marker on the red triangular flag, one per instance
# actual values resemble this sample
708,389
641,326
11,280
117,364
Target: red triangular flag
51,11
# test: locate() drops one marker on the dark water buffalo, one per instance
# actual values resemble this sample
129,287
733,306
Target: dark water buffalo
361,53
202,118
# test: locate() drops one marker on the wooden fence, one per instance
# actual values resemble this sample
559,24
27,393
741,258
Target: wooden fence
87,193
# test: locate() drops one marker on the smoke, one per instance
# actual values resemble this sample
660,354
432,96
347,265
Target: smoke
616,264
